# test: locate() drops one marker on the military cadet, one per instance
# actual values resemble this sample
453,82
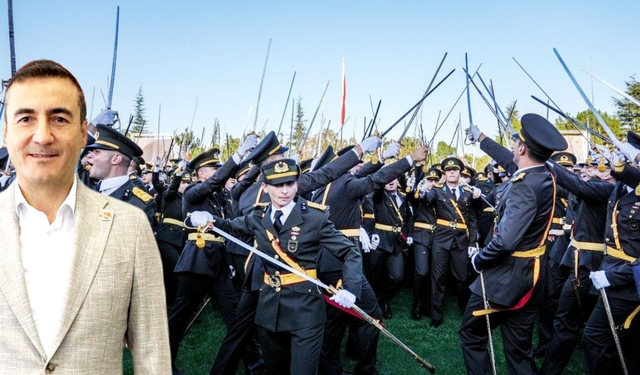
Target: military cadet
251,194
424,225
110,156
170,234
389,239
510,265
344,196
622,240
486,213
454,237
290,312
202,267
584,255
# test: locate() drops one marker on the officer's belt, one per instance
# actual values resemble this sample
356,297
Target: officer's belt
205,236
389,228
619,254
282,279
590,246
558,220
350,232
488,209
451,224
537,252
168,220
428,226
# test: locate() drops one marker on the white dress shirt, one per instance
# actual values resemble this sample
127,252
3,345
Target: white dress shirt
109,185
286,211
47,253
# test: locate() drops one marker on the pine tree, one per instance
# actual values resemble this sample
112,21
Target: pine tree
299,128
628,112
139,121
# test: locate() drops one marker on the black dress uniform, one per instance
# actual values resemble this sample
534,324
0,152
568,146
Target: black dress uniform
170,234
243,329
584,254
344,197
622,239
392,213
290,310
424,225
511,263
204,270
455,225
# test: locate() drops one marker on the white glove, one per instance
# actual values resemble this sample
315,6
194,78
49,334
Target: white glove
618,158
249,144
471,251
106,117
364,240
476,192
370,144
473,261
375,241
409,241
200,218
599,279
344,298
424,187
629,151
391,151
474,133
604,151
182,164
296,158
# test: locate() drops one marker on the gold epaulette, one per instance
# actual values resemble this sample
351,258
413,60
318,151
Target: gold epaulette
141,194
317,206
466,188
619,167
439,185
133,176
518,177
261,205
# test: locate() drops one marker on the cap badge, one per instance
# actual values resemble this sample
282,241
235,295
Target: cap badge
281,167
564,158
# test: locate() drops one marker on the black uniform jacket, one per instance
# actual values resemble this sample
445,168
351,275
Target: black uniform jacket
441,199
172,209
387,212
344,197
297,305
619,272
203,196
524,213
138,197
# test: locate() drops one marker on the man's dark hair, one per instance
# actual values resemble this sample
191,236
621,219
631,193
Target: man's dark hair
537,156
48,69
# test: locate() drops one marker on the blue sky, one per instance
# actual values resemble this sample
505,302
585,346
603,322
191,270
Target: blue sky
214,51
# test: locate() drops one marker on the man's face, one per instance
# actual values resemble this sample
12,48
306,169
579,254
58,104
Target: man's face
43,130
430,183
146,178
465,179
231,183
391,186
101,162
205,172
518,150
356,168
282,194
584,173
453,176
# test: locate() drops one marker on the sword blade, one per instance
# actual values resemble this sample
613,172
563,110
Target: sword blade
586,99
612,87
616,339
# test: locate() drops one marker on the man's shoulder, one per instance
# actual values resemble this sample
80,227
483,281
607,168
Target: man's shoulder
108,205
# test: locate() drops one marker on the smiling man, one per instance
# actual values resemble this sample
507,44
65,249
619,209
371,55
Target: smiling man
80,274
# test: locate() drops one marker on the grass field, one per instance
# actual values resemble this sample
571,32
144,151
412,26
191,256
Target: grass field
439,345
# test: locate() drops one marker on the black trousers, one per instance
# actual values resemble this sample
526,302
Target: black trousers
517,333
292,352
556,275
421,280
240,335
365,336
169,254
601,356
237,261
569,319
443,259
191,290
387,271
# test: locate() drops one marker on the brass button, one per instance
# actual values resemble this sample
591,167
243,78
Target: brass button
51,367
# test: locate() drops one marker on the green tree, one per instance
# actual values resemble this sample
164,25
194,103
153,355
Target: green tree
587,118
629,112
139,120
299,128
